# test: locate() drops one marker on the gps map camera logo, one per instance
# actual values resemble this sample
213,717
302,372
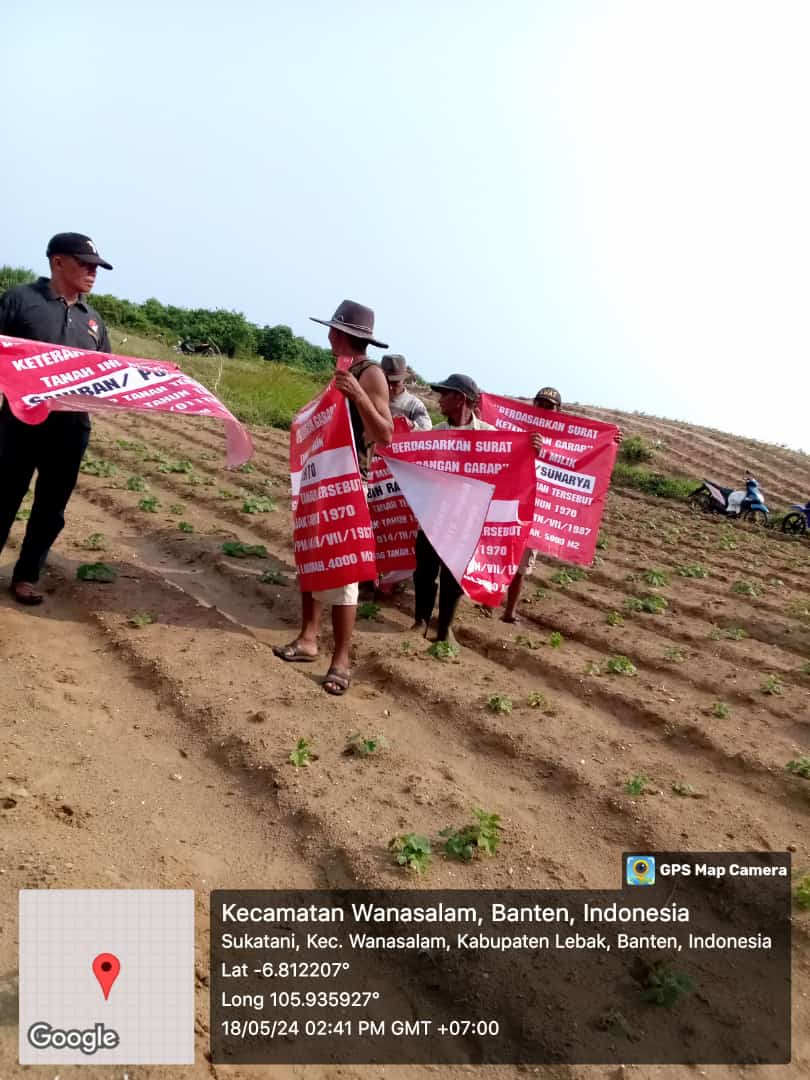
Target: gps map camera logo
640,869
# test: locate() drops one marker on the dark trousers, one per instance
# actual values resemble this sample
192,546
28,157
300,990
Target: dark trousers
430,576
54,449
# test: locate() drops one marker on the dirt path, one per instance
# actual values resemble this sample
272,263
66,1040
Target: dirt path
104,716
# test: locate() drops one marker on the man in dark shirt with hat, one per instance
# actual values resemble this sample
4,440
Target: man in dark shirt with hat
53,310
351,331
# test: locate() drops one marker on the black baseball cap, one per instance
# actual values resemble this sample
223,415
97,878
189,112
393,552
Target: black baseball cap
79,246
462,384
548,393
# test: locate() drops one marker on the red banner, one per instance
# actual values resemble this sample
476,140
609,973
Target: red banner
472,493
573,474
332,535
392,520
36,377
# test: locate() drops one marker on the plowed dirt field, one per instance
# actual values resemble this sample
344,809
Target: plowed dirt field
156,755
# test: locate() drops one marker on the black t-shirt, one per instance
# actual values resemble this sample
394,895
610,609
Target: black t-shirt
37,313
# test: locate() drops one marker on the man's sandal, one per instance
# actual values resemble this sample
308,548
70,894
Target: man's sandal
293,653
25,593
336,682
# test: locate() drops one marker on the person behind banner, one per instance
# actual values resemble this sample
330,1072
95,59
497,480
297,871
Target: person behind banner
551,399
409,406
458,397
351,331
54,310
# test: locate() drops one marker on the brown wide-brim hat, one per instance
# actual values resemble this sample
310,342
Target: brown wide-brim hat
354,319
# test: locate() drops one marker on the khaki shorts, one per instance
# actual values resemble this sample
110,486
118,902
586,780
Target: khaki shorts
528,561
342,596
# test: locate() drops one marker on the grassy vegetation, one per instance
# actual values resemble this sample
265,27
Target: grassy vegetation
665,487
256,391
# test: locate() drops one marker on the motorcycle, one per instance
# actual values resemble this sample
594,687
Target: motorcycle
797,522
748,505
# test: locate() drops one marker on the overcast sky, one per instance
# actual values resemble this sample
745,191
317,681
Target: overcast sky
609,197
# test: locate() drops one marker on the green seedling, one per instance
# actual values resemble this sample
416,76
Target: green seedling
407,648
185,527
480,838
536,700
149,505
499,703
744,588
247,467
444,650
568,576
136,483
686,791
555,639
23,514
620,665
97,466
141,618
273,577
156,455
727,544
98,571
302,755
615,618
526,642
95,542
657,578
177,508
802,893
665,987
125,444
652,605
368,610
805,668
694,570
540,593
720,710
175,467
237,550
674,655
636,785
195,481
772,685
727,633
225,494
260,504
365,745
800,767
602,541
412,851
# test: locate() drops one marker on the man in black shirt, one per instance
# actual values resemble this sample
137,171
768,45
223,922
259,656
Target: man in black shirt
53,310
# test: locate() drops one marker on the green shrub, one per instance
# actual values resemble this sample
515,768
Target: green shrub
634,450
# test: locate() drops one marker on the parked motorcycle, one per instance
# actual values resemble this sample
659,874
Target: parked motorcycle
797,522
748,505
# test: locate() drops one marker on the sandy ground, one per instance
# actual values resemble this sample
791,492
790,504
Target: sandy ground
156,756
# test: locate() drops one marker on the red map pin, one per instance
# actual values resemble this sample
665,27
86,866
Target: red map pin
106,968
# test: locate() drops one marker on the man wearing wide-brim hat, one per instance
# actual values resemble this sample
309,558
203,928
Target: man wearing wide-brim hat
351,331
